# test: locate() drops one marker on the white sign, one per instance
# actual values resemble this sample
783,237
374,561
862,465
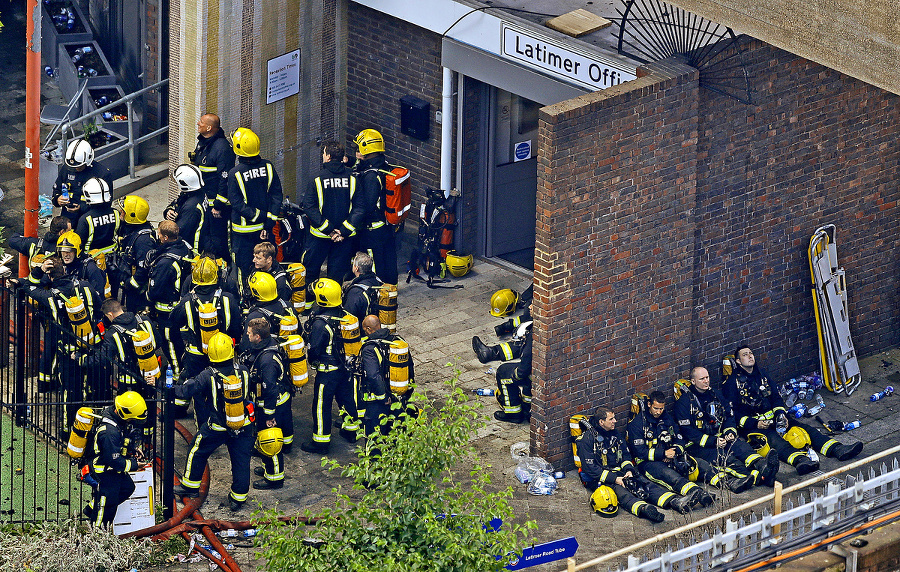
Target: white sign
283,76
590,70
522,151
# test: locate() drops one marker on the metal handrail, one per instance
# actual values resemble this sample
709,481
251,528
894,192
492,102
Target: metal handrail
773,496
128,100
66,114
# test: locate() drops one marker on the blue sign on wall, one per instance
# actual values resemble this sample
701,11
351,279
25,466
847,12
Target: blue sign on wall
543,553
522,150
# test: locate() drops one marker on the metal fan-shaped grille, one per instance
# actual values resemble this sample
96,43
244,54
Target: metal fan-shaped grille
651,30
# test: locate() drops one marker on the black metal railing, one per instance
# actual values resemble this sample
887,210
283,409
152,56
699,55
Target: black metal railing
46,375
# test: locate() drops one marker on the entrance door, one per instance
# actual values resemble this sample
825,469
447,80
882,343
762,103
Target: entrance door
512,195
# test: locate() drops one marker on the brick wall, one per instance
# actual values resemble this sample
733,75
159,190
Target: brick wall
673,222
387,59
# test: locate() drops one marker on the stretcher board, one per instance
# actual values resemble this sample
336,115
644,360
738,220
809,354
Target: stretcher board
137,512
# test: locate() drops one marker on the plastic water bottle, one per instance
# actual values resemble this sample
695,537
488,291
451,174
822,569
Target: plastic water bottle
92,72
852,425
820,405
791,399
87,50
249,533
65,191
882,394
813,456
48,70
484,391
798,410
107,115
559,475
76,57
169,377
230,533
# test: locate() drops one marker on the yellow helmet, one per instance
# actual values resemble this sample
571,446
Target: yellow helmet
269,441
458,265
245,142
136,209
798,438
503,302
327,293
131,406
220,348
263,286
69,240
759,442
204,271
369,141
604,501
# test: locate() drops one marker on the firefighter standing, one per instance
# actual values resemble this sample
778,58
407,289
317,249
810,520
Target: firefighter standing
376,235
99,224
376,392
79,166
164,289
266,362
334,215
264,260
188,210
225,384
214,158
128,271
326,354
115,455
361,296
75,263
254,195
266,304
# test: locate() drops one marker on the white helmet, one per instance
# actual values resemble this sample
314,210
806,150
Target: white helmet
188,177
79,153
96,191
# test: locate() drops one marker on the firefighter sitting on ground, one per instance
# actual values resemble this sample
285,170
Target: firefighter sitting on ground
759,408
608,471
659,450
115,454
226,384
707,424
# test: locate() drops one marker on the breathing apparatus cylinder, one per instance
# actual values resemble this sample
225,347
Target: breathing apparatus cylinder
233,391
146,357
288,326
78,316
295,348
298,285
351,335
398,366
84,422
387,306
209,323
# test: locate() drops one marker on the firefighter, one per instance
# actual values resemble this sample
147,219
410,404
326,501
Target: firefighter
214,158
265,303
375,384
326,355
78,167
128,269
226,386
759,408
361,296
99,224
75,264
707,424
264,261
658,448
188,210
186,321
334,216
165,275
376,236
513,378
266,363
606,462
254,195
38,249
115,456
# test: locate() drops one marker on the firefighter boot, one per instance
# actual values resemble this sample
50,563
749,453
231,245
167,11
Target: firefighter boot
704,499
650,513
510,417
182,491
738,485
805,465
267,485
682,505
485,353
768,468
843,452
505,329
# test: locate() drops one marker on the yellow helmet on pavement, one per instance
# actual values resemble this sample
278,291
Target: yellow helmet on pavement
503,302
798,437
604,501
458,265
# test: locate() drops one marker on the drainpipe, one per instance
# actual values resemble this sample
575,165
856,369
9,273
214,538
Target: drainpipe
32,119
446,130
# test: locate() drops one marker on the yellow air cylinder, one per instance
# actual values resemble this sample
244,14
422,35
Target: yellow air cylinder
288,326
298,285
295,348
398,366
233,391
351,335
387,306
78,316
209,323
146,356
84,422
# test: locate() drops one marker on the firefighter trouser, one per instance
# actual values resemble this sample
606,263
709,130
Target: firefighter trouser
787,452
330,386
513,389
242,244
381,244
74,384
664,475
375,411
113,489
738,458
337,253
170,344
240,447
284,419
655,495
216,239
192,365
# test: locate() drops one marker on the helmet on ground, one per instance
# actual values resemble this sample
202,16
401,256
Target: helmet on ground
96,191
262,286
131,406
136,209
458,265
245,142
220,348
327,293
188,177
604,501
204,271
79,153
269,441
69,240
369,141
798,438
759,442
503,302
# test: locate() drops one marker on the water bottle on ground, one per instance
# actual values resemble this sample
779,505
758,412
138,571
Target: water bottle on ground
484,391
852,425
820,405
791,400
882,394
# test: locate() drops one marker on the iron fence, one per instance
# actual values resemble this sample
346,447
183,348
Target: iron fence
46,375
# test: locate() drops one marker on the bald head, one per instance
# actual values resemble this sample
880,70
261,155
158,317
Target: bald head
371,324
208,125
